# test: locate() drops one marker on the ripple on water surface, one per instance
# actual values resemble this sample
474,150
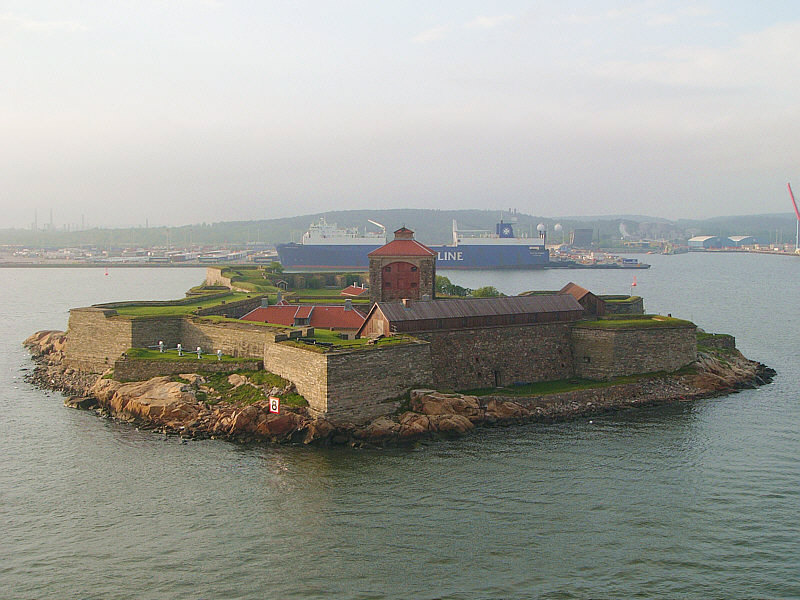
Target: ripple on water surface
696,500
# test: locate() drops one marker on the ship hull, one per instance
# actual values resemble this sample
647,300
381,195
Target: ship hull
322,257
498,256
319,257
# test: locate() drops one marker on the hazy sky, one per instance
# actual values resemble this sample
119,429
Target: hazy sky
183,111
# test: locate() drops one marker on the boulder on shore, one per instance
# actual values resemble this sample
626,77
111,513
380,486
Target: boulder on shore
435,403
158,400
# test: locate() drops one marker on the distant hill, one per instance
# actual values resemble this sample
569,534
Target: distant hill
431,226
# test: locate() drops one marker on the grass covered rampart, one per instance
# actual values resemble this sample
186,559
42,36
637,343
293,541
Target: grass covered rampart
633,322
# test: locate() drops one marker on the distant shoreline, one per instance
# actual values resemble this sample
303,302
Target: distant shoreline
101,265
194,265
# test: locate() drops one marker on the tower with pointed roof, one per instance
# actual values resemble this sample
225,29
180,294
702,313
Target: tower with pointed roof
402,269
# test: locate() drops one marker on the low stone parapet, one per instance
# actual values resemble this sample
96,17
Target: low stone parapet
716,341
126,369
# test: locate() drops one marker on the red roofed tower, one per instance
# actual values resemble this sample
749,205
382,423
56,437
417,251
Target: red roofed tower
403,268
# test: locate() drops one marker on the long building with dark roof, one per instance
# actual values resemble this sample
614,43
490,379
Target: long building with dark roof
467,313
485,342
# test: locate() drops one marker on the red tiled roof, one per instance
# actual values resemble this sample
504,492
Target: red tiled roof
336,317
403,248
324,317
303,312
354,291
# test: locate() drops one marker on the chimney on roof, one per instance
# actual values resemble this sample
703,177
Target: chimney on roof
407,302
279,298
348,304
264,302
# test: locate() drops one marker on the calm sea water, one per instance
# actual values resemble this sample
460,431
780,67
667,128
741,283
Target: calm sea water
695,501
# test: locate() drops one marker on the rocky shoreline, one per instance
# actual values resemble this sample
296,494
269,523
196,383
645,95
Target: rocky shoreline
176,405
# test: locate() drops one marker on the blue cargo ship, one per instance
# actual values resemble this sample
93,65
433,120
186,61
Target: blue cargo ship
326,247
483,249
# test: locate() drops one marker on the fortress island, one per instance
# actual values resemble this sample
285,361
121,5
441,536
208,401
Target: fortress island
257,355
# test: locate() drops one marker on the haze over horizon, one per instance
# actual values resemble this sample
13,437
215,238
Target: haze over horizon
203,111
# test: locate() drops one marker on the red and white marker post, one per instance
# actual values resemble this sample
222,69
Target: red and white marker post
275,405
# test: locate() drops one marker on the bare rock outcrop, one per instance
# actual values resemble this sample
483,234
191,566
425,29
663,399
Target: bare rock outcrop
729,372
47,345
413,425
505,411
435,403
159,400
319,431
451,424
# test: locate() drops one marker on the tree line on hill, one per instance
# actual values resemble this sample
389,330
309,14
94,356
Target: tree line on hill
430,226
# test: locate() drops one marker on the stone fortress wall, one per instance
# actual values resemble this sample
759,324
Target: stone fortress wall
364,383
606,353
214,276
232,310
338,383
500,356
369,381
95,340
624,305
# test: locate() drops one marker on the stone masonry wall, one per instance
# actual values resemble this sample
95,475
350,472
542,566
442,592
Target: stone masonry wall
148,331
362,383
308,371
140,370
214,277
234,339
233,310
719,341
358,383
606,353
492,356
95,339
634,307
426,266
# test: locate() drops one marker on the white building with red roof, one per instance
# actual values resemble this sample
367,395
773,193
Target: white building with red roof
355,291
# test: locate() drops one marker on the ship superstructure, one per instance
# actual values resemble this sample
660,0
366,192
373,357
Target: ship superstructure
323,233
326,247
